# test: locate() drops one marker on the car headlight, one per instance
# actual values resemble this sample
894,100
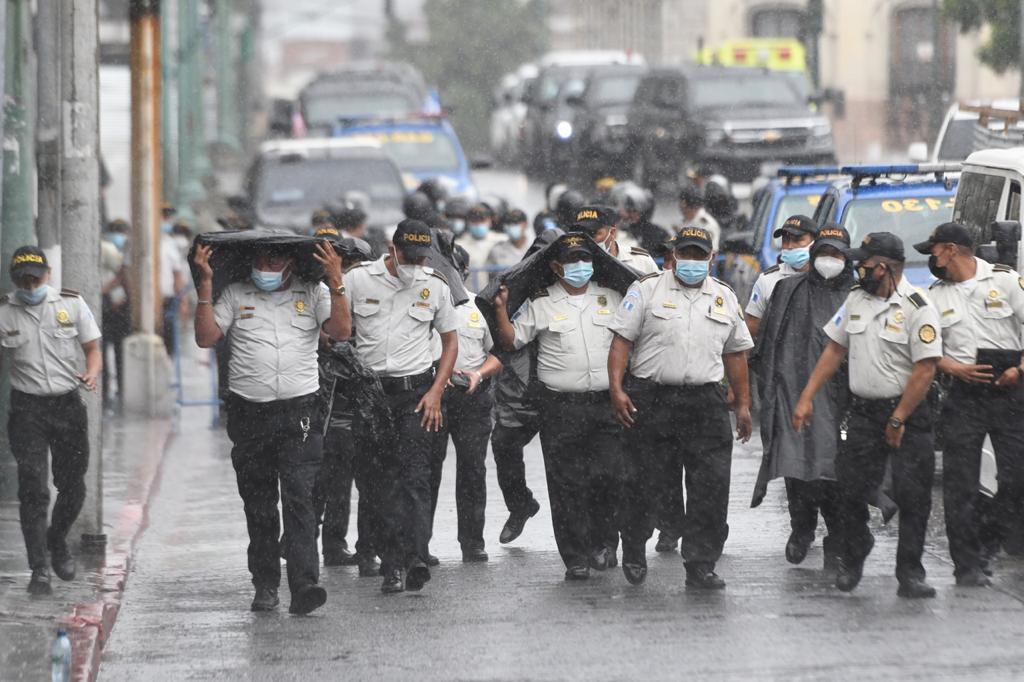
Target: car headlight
563,130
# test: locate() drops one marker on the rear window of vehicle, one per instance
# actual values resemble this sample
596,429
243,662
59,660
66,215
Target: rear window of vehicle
912,219
614,89
309,184
977,203
321,110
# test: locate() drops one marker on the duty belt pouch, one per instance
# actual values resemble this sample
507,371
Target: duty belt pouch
1001,360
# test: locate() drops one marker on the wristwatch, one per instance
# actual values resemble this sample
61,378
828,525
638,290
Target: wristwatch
339,290
896,422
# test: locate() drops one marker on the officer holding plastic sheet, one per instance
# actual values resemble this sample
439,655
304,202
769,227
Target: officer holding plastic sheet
273,321
397,303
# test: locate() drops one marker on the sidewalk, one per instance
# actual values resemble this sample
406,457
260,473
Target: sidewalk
133,451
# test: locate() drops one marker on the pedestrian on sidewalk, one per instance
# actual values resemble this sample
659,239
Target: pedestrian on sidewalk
273,323
117,313
41,331
788,347
891,333
398,302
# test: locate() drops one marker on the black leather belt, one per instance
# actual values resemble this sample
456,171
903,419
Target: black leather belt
581,398
399,384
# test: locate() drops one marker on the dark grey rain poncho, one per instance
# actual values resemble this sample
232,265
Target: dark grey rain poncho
791,340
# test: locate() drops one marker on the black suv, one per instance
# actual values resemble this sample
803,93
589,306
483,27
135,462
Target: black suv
723,120
599,142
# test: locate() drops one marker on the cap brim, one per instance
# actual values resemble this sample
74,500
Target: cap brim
587,226
33,270
924,247
856,254
792,231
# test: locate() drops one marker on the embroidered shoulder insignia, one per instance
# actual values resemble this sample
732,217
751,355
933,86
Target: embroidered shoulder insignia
724,284
70,293
855,287
917,300
435,273
649,276
355,265
774,268
1001,267
637,251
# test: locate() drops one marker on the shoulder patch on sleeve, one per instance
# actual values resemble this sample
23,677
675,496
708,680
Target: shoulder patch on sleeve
637,251
70,293
724,284
649,276
917,300
1001,267
355,265
435,273
540,293
774,268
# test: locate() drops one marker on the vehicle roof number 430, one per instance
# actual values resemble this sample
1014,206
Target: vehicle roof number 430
916,205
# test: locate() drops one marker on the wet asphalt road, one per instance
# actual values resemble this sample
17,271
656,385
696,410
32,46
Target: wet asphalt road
185,612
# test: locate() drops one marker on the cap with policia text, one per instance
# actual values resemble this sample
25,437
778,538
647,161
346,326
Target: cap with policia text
571,244
884,244
693,236
590,219
413,238
946,233
29,260
796,226
833,235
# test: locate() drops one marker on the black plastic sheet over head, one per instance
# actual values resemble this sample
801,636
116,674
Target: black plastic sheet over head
533,274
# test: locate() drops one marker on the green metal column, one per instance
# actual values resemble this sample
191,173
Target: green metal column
227,81
17,219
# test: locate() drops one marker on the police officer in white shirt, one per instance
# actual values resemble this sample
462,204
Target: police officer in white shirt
578,435
600,223
42,332
273,323
891,333
981,309
397,303
681,332
797,233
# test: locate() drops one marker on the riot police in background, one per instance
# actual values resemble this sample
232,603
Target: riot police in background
635,212
891,333
41,332
273,324
981,312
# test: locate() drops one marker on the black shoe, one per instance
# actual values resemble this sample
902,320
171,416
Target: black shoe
704,578
339,556
265,599
849,573
613,559
973,577
39,583
470,556
666,542
599,559
797,546
368,566
577,573
394,582
915,589
516,522
63,563
417,577
432,560
307,599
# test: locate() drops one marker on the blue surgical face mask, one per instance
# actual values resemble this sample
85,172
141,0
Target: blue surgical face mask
796,258
118,239
577,274
692,271
458,225
32,296
514,231
266,280
479,230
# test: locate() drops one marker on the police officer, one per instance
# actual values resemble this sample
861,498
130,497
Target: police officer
468,403
797,235
600,223
981,309
579,438
41,330
891,333
397,301
685,332
273,323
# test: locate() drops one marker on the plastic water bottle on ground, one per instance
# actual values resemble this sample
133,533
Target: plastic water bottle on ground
60,657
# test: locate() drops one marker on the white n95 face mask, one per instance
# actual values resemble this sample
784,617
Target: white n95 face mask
829,267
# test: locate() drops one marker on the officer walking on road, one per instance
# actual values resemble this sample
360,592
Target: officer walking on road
797,233
681,332
273,323
891,333
981,309
41,330
599,222
397,302
579,438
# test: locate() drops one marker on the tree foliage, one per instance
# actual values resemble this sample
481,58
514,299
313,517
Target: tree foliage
1002,49
472,44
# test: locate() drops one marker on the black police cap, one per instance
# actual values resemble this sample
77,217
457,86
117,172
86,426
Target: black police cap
796,226
590,219
884,244
413,238
946,233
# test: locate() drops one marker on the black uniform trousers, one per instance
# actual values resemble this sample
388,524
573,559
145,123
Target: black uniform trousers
507,443
688,425
582,447
860,469
969,413
58,424
468,422
406,467
278,444
332,495
806,499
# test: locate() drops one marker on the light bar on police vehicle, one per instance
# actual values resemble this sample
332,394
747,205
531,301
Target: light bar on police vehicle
866,171
803,173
